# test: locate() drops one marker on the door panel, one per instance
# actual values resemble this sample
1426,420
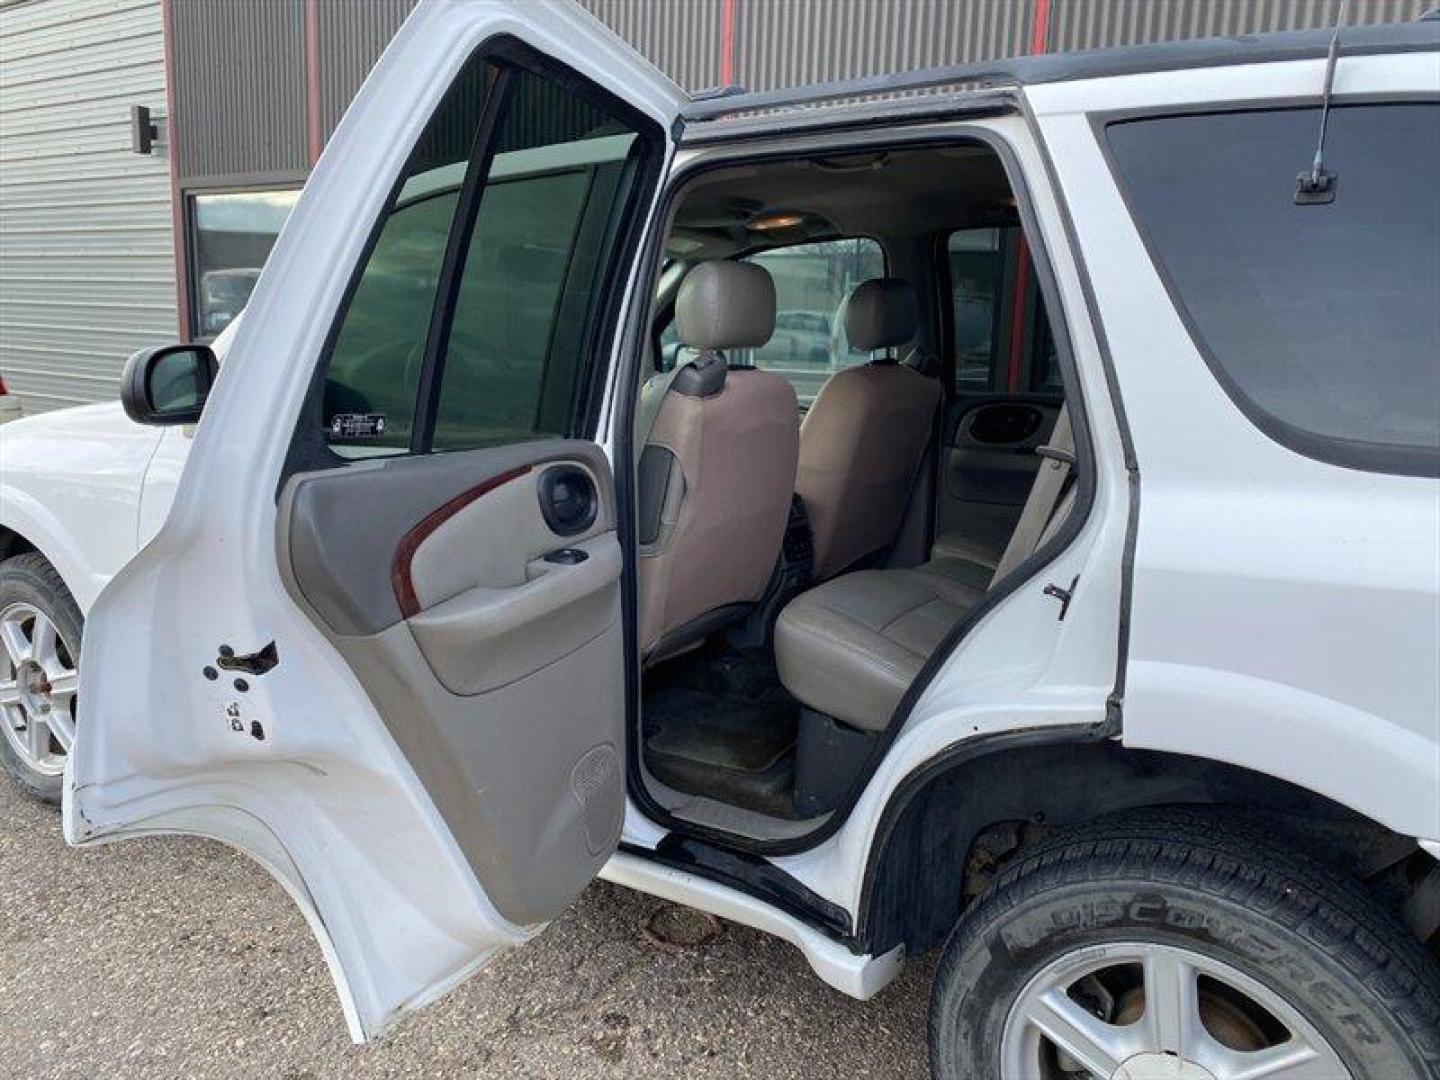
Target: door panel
990,465
476,645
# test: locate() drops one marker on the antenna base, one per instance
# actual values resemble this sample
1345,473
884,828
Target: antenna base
1315,189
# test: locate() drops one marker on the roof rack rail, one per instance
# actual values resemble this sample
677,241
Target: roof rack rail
1420,35
710,106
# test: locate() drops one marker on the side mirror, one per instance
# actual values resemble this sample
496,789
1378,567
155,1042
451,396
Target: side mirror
168,384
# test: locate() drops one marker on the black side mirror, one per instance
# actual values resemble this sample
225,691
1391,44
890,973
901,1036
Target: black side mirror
168,384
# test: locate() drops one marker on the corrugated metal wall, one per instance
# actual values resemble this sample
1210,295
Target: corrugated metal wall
86,264
240,90
351,36
1089,24
87,270
803,41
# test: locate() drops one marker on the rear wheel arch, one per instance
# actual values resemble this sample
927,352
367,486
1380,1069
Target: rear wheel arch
958,822
12,543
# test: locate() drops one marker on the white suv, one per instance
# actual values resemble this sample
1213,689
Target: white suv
1100,648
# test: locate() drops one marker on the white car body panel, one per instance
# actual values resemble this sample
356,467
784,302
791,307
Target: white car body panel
325,799
70,484
1247,642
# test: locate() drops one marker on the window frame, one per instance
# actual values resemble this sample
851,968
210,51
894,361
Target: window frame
1391,459
309,449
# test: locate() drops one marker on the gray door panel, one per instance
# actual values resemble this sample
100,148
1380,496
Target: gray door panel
989,465
497,670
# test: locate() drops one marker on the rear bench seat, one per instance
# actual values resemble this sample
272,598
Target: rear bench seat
852,646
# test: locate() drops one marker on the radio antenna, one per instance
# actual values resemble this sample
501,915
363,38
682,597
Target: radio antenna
1316,186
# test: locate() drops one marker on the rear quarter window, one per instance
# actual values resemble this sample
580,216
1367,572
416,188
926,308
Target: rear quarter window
1322,322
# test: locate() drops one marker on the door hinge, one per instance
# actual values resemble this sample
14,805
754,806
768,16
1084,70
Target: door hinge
1063,595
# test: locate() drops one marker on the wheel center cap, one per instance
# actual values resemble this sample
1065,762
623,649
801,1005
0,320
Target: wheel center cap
32,679
1160,1067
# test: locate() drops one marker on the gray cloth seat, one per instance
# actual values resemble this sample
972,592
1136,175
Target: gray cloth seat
852,646
717,468
967,555
863,436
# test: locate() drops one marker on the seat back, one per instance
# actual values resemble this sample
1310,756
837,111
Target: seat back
718,467
863,438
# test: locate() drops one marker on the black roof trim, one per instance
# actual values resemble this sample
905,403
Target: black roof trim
1417,36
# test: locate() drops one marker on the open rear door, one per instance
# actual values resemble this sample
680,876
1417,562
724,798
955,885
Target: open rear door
378,644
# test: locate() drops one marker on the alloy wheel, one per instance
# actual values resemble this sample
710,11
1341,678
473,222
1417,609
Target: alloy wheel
38,680
1143,1011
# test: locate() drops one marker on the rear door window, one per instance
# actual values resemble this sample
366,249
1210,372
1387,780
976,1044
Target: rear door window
1322,322
517,358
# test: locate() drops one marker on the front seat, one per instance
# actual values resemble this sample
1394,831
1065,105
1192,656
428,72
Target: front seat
862,440
718,465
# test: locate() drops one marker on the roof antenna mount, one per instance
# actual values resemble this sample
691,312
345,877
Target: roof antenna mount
1315,186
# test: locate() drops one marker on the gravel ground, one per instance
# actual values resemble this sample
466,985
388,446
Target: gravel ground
179,957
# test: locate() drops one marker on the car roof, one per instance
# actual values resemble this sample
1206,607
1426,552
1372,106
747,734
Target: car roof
1420,35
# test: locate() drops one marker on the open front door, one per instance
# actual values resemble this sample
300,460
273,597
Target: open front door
378,645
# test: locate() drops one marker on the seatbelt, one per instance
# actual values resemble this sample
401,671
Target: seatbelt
652,396
1058,458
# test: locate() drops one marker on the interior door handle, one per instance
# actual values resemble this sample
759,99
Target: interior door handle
567,556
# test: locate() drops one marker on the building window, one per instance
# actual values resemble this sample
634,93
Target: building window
232,235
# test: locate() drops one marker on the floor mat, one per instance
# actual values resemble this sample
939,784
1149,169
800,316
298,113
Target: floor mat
718,723
719,731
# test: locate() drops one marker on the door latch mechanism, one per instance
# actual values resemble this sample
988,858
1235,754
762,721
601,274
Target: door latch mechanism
1063,595
256,663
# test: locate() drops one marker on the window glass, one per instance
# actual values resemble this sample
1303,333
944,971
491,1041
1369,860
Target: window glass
1321,321
991,278
233,234
517,356
977,278
517,363
811,284
374,371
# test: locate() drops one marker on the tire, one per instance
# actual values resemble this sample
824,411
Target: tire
27,582
1224,899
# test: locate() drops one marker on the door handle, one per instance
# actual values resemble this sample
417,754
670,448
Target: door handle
567,556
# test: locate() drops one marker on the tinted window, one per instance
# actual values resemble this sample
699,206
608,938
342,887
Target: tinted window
516,359
1322,322
977,276
516,366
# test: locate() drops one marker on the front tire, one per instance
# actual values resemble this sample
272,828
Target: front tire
1166,945
40,627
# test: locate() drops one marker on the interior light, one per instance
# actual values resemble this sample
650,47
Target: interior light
771,222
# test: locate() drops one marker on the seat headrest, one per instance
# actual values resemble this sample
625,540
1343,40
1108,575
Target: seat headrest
725,305
881,313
